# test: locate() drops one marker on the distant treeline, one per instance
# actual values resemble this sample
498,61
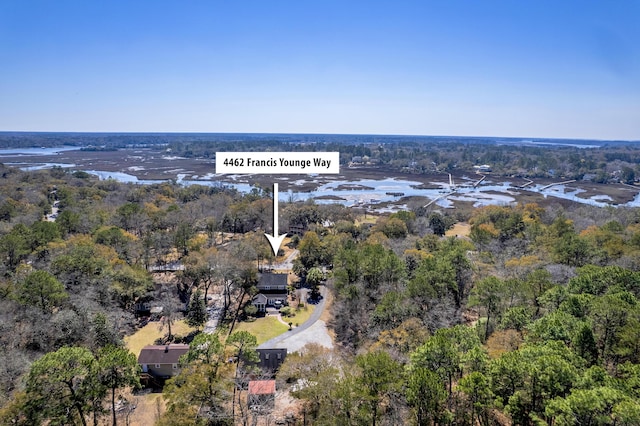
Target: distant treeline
55,139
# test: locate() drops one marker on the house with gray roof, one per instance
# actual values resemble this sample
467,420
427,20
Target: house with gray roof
272,291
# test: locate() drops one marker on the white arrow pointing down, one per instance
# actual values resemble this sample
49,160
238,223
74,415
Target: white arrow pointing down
275,240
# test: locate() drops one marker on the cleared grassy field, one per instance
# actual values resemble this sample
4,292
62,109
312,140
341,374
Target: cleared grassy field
148,334
371,219
460,229
263,328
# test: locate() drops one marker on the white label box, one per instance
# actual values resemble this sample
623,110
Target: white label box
278,163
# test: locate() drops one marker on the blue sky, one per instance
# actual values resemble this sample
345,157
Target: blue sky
562,68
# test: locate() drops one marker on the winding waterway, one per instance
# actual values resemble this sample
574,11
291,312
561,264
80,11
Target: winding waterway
365,192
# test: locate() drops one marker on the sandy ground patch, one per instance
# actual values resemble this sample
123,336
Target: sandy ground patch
461,229
148,409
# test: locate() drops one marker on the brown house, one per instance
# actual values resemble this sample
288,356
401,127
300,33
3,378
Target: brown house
161,361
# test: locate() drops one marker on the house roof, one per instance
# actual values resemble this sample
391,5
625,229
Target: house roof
271,359
273,280
274,293
260,298
262,387
162,354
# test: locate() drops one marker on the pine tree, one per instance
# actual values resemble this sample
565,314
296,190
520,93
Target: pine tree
196,312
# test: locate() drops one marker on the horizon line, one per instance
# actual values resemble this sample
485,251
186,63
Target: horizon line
532,138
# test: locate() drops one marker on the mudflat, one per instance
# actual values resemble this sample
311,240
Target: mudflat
158,163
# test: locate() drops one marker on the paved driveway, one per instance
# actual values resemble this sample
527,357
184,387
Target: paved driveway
287,264
314,330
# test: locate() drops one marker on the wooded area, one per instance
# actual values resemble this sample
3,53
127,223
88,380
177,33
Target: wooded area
533,318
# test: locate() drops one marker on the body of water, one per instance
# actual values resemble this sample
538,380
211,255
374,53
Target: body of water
28,152
29,167
363,192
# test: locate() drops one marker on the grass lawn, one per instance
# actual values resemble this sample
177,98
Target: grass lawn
263,328
269,327
301,316
148,334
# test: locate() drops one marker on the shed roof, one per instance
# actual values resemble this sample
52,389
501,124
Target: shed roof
162,354
262,387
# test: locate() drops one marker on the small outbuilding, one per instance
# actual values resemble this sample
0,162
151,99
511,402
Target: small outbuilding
262,395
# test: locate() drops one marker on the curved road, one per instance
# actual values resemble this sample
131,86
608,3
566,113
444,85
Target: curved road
312,331
286,264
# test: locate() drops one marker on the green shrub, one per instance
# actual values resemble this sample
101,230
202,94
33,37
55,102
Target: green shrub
286,312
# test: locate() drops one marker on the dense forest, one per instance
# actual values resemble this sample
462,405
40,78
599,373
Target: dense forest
532,318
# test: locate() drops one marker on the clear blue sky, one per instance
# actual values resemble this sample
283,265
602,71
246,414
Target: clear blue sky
558,68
